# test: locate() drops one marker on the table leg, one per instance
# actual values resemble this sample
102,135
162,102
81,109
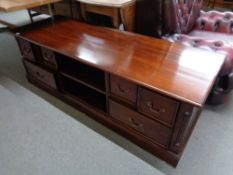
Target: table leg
214,2
71,8
30,15
51,9
83,11
116,20
128,17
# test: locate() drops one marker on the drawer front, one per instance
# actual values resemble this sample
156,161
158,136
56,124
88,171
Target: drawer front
158,106
41,74
48,56
152,129
123,88
26,49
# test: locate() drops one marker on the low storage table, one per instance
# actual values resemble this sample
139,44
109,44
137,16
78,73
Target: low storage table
148,90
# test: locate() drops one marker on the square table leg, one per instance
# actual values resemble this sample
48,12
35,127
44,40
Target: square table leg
124,14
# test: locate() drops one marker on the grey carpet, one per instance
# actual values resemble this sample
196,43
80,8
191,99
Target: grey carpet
36,138
209,150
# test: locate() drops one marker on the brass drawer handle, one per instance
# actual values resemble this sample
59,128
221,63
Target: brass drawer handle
153,109
26,49
47,56
39,75
135,124
124,91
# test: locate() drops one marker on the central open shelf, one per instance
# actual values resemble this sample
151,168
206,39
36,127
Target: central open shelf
81,92
90,76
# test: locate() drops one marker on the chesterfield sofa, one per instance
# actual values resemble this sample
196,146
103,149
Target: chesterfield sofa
184,22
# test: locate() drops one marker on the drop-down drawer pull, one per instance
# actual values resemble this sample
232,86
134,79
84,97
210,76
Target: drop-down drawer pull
135,124
153,109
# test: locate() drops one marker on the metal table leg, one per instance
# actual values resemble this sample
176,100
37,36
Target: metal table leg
51,10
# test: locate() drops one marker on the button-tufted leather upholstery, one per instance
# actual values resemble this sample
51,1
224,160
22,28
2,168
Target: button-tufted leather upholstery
183,16
180,15
215,21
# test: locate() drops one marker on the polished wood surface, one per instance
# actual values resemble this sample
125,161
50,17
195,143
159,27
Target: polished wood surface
14,5
174,70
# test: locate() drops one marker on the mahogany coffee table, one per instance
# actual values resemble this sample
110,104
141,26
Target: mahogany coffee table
150,91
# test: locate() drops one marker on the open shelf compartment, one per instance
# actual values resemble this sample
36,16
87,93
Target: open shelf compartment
80,92
83,73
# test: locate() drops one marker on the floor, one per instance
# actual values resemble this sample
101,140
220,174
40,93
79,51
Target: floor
39,139
209,150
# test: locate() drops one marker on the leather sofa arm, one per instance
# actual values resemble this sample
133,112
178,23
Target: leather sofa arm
215,21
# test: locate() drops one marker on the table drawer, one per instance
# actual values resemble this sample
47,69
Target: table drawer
41,74
123,88
48,57
149,128
158,106
26,49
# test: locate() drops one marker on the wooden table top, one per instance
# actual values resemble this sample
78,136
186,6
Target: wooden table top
181,72
14,5
108,3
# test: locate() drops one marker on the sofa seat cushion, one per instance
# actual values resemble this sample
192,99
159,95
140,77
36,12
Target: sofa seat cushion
212,35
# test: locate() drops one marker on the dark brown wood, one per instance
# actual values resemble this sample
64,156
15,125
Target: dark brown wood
149,17
123,89
48,57
89,75
157,106
149,128
127,14
122,80
26,49
40,74
170,69
159,151
186,120
220,4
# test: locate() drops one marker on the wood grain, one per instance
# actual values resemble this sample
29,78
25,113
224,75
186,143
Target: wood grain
175,70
